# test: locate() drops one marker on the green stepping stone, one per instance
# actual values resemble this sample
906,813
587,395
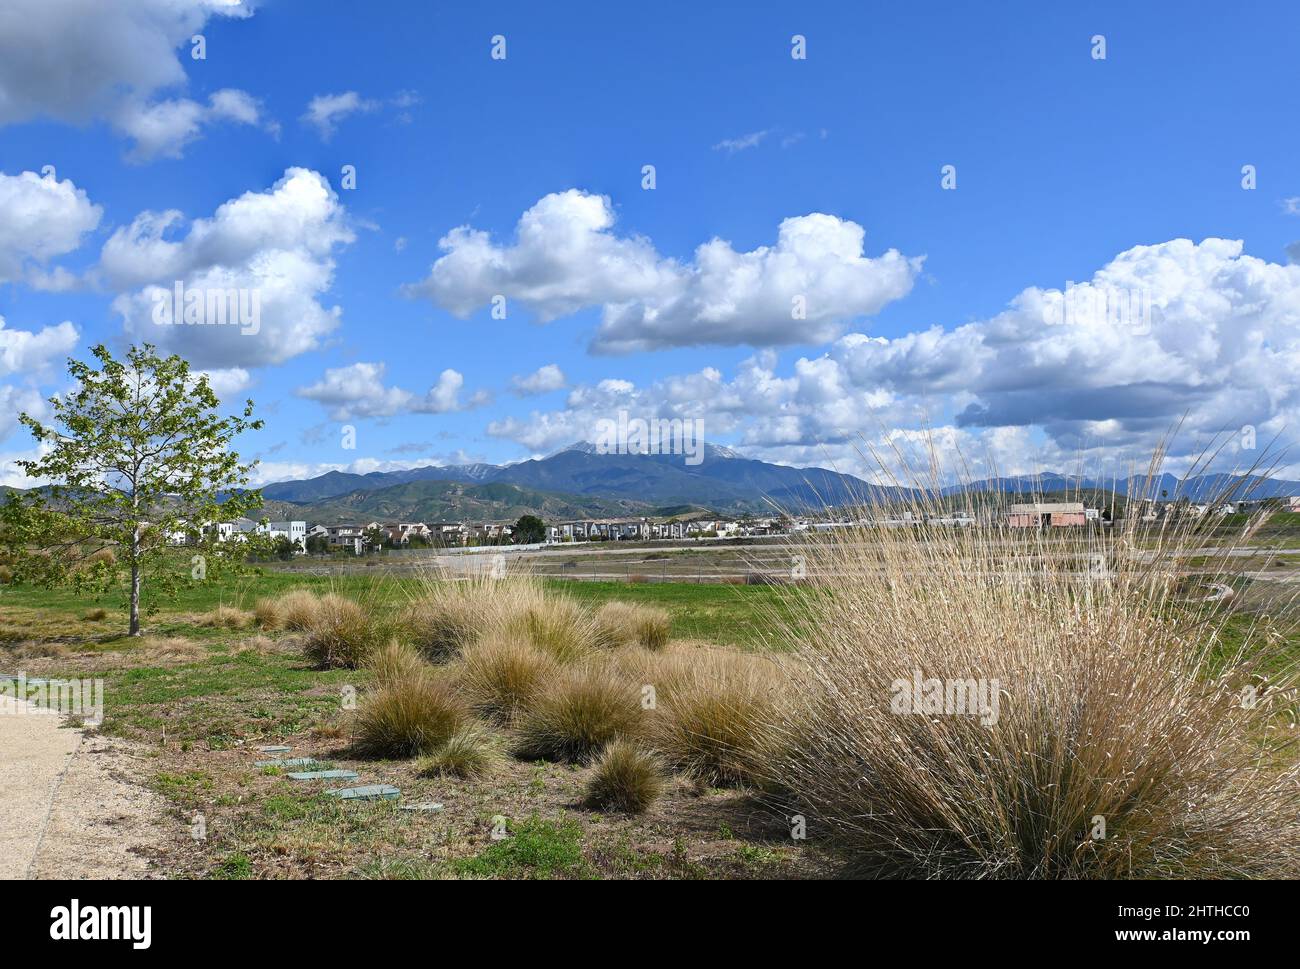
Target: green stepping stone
372,792
323,775
430,806
291,762
273,750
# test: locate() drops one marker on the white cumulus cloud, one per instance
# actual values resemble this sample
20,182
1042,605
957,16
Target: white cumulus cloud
543,380
1197,332
84,60
40,218
325,111
277,245
358,390
566,257
28,353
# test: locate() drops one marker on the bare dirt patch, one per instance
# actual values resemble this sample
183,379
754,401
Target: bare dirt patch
105,822
72,805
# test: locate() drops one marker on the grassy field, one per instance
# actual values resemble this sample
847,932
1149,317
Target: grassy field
201,698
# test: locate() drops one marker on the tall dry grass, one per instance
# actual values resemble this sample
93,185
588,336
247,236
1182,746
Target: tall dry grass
294,610
714,711
1122,734
226,617
581,710
447,613
624,777
415,714
343,632
630,624
503,675
394,662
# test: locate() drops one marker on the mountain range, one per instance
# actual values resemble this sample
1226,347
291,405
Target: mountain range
578,482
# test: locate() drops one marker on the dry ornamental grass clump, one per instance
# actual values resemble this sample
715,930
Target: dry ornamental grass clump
582,710
467,753
1032,703
394,662
410,716
268,614
624,778
226,617
294,610
297,608
342,632
557,626
504,674
102,556
627,624
448,613
714,711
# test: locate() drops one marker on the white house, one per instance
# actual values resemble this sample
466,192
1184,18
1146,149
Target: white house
232,530
294,531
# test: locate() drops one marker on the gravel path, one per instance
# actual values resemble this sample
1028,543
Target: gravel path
66,807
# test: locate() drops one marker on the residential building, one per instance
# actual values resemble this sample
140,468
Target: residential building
351,538
1057,514
294,531
449,534
401,533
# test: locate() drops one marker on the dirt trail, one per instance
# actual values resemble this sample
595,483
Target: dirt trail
66,807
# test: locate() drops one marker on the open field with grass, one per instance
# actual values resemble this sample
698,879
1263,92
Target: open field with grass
204,688
514,705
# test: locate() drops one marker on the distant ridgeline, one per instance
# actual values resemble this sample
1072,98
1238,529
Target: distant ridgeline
578,482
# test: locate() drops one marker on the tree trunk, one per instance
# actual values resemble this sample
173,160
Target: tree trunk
135,585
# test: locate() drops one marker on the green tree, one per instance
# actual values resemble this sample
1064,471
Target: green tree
137,461
317,545
528,530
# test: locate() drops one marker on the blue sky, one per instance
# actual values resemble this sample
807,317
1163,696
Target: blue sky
1069,169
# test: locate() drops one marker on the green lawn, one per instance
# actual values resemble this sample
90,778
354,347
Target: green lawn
727,614
229,690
